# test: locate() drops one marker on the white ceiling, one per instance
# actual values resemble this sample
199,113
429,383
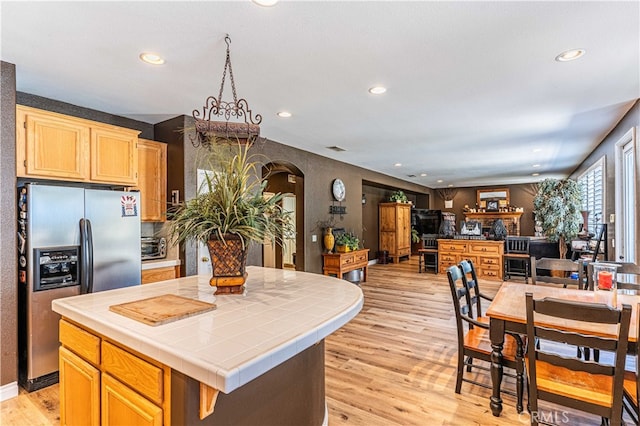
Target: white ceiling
473,88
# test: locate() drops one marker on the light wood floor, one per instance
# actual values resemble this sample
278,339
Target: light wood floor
394,364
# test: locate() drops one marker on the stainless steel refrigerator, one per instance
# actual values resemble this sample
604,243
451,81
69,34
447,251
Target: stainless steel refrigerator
71,240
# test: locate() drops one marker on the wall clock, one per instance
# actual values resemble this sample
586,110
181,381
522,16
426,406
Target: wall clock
339,190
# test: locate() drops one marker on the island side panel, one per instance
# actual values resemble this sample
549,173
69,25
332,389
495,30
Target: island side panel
293,393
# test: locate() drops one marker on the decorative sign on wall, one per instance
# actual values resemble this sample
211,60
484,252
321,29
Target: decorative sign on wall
338,210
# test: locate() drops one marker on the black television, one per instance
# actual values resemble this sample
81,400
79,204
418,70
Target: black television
425,221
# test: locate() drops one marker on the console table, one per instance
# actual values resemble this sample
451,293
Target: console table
340,263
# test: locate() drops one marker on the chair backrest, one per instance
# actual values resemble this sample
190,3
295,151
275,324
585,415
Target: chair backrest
596,313
625,268
517,245
464,309
566,266
602,235
430,241
470,280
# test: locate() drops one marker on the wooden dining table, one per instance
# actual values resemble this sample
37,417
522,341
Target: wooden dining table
507,312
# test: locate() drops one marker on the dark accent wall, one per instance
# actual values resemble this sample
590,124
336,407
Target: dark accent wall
607,149
47,104
8,220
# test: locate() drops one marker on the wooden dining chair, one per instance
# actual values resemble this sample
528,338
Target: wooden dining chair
589,386
428,254
470,279
474,342
632,382
564,267
516,258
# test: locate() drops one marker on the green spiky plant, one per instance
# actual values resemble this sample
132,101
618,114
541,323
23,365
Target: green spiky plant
557,207
231,201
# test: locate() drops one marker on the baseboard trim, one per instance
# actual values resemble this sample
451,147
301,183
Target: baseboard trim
8,391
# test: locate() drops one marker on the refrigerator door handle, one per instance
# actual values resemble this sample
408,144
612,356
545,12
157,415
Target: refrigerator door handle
83,257
86,257
89,243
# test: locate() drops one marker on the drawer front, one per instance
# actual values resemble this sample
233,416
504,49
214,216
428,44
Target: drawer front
452,247
81,342
490,273
361,257
135,372
482,248
443,265
491,261
158,274
347,260
447,257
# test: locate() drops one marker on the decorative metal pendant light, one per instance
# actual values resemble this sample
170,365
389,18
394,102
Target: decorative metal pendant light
213,123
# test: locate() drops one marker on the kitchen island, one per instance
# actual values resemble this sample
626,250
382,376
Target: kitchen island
258,358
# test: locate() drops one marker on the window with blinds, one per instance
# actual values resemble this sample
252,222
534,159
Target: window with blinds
592,184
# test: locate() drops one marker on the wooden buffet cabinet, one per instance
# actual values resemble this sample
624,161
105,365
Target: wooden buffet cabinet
486,256
395,229
57,146
340,263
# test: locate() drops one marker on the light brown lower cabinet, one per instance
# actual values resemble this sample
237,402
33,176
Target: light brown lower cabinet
104,383
159,274
122,406
79,390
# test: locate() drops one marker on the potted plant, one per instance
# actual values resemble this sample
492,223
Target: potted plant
347,242
229,212
557,208
399,197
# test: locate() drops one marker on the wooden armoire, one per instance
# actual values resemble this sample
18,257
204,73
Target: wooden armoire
395,229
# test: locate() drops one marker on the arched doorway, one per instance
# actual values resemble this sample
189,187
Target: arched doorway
289,180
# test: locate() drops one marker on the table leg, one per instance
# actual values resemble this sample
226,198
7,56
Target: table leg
496,333
364,278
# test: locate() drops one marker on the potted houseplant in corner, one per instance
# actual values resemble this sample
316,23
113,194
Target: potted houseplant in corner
229,212
557,208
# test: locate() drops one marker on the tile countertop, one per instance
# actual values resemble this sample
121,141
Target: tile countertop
280,314
159,263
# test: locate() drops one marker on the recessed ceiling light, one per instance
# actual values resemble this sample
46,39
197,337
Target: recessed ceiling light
423,174
537,150
450,185
284,114
151,58
398,164
570,55
439,181
377,90
265,3
535,166
535,174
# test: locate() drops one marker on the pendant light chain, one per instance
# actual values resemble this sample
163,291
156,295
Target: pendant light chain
227,64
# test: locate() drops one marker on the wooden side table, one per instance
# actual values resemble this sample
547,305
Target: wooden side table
339,263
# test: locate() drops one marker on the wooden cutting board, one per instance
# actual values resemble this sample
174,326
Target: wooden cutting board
162,309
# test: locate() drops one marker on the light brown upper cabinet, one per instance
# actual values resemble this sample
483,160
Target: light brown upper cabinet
57,146
152,180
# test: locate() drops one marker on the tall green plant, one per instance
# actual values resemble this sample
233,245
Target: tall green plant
231,201
557,207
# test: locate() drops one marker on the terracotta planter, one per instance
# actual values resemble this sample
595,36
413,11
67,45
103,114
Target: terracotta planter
228,262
